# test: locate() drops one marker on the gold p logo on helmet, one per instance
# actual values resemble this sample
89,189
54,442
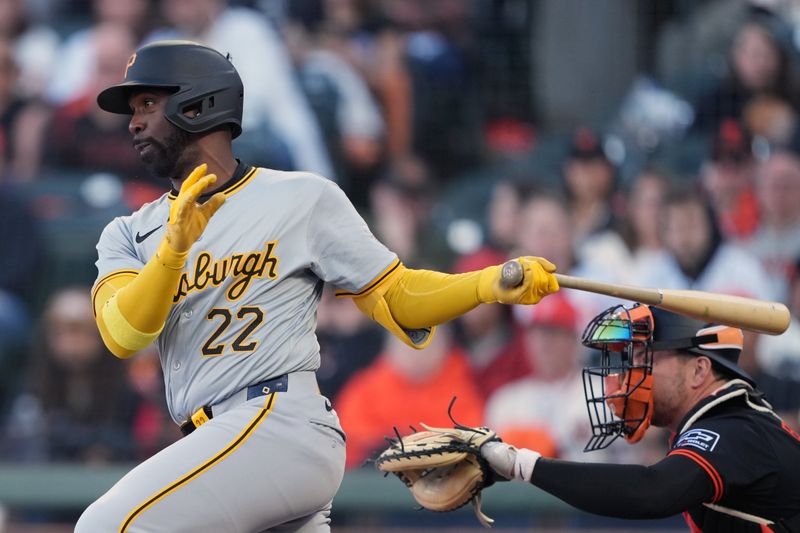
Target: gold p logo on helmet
131,61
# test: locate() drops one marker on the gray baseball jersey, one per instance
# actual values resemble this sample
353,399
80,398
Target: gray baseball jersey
245,307
269,459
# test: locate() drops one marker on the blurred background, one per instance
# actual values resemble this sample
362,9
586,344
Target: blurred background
652,143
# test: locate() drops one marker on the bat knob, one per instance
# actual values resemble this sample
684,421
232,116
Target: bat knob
511,274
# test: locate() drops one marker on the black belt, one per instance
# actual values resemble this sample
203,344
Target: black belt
204,414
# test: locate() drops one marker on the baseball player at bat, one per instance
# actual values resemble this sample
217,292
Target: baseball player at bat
224,274
733,464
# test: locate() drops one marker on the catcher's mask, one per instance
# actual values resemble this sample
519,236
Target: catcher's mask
199,78
619,392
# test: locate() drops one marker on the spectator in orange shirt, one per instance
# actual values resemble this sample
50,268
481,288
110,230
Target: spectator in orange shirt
402,388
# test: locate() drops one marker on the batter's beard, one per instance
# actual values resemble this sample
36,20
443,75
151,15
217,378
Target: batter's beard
164,159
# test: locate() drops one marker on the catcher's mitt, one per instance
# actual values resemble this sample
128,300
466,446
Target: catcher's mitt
442,467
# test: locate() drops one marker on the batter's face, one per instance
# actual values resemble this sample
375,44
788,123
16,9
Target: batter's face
165,149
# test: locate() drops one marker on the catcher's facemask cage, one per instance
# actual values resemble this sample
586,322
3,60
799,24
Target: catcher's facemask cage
619,391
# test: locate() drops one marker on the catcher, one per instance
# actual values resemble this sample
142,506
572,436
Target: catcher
733,464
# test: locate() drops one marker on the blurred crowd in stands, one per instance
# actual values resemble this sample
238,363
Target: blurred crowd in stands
424,112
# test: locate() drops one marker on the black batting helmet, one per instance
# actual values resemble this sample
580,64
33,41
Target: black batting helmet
200,77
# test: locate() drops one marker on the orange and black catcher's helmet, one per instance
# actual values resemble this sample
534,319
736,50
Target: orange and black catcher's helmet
619,389
199,77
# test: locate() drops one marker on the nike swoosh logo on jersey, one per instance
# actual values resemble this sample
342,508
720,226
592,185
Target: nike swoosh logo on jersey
141,238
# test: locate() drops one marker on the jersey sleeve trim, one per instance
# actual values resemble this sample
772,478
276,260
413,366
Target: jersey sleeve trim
374,283
109,277
716,479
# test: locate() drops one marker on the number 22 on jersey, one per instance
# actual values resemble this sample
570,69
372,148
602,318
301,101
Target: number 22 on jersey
247,318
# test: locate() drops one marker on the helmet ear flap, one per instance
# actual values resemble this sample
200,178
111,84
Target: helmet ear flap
203,112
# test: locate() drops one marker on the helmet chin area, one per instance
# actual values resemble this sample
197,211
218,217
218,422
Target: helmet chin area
619,391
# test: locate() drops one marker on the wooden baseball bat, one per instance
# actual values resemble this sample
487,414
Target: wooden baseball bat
748,313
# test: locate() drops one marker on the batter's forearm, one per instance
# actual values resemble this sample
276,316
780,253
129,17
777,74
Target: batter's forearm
132,316
406,300
147,300
422,298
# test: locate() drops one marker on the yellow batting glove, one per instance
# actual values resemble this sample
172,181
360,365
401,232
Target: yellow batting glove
537,282
187,218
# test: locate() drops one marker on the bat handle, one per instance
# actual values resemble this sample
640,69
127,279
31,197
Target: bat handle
511,274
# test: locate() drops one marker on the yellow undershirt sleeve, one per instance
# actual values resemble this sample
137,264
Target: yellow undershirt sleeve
131,309
410,303
421,298
100,295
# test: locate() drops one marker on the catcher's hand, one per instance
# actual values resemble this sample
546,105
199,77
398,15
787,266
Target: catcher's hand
443,467
187,218
537,282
